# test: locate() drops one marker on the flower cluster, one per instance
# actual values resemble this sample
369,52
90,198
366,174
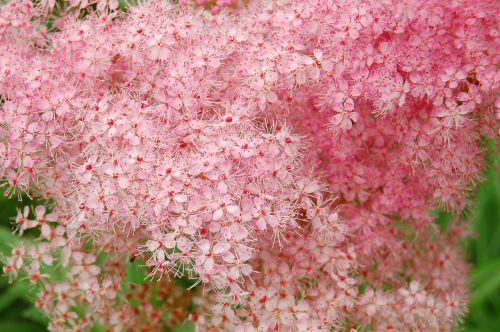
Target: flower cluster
282,156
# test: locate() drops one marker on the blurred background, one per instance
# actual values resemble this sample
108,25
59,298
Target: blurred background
18,314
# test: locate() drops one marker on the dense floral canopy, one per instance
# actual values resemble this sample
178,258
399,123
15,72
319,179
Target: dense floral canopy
282,155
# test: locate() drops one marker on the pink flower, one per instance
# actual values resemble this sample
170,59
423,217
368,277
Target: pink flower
281,155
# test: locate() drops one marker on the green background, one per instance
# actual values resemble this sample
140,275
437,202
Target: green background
17,313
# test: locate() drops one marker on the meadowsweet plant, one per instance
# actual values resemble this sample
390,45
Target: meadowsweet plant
267,165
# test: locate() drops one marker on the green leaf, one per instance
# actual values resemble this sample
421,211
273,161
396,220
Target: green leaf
184,327
17,325
36,315
7,240
11,294
486,288
136,272
481,274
